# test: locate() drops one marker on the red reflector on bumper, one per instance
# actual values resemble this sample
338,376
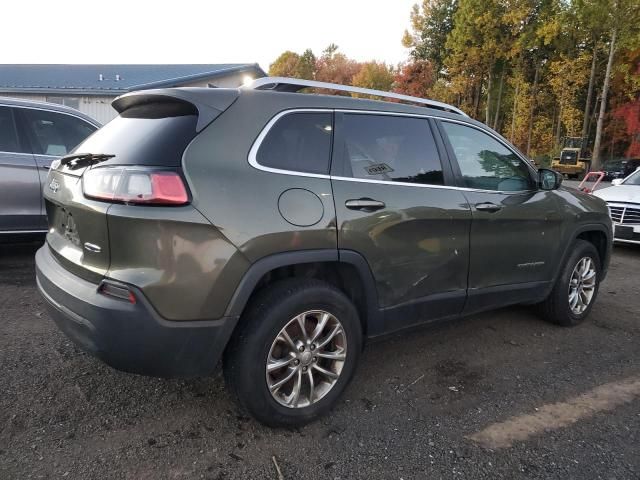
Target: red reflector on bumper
117,291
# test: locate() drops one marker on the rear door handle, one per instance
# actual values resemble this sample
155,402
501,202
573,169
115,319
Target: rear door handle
364,204
488,207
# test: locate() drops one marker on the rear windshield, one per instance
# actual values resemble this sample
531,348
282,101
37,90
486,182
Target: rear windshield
145,135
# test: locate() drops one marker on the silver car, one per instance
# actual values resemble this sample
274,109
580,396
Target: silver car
32,135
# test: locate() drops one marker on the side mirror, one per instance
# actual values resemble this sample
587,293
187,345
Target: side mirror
617,181
549,179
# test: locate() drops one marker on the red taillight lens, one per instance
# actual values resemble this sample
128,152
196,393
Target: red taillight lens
135,185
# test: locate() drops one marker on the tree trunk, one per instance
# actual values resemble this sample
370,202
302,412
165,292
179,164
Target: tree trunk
495,119
587,104
476,100
534,93
595,163
559,127
513,113
487,117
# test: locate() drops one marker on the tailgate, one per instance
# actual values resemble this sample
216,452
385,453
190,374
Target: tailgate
78,234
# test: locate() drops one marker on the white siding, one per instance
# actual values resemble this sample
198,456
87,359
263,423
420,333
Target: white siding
228,81
98,108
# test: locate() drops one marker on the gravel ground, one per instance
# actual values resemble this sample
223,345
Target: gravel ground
414,401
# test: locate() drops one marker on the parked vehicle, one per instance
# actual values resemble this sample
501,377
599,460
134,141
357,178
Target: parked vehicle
572,162
32,135
279,230
623,200
620,168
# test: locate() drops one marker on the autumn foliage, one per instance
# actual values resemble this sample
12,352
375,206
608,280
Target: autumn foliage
534,70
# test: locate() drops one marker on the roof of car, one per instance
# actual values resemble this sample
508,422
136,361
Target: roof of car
110,79
15,102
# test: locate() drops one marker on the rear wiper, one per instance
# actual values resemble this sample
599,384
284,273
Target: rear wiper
78,160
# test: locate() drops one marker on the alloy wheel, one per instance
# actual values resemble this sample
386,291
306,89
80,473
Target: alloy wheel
582,285
306,358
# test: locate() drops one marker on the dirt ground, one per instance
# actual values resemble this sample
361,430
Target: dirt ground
497,395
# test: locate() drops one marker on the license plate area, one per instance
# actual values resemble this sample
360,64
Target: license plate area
624,233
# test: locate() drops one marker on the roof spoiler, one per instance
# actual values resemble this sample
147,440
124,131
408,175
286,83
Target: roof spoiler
209,102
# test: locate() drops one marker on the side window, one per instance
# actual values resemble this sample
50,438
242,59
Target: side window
8,133
54,133
390,148
299,142
486,163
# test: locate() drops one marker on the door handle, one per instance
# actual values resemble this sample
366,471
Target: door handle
364,204
488,207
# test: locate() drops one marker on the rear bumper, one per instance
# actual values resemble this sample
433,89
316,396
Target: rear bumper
129,337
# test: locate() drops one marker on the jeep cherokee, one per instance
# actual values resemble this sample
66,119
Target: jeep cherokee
277,230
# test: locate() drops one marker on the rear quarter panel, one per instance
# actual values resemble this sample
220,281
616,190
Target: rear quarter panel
242,201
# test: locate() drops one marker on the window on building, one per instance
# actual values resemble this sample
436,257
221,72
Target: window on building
299,142
73,102
390,148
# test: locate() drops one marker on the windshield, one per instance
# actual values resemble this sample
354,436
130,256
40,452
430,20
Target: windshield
612,165
633,179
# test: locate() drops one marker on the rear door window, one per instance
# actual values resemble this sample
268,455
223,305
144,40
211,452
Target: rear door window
52,133
298,142
9,141
389,148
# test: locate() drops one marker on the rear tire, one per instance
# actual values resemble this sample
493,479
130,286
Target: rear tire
271,358
576,288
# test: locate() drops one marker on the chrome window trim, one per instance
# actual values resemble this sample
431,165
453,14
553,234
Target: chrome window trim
253,161
23,232
17,153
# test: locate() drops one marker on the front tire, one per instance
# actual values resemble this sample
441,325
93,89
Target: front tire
576,288
294,353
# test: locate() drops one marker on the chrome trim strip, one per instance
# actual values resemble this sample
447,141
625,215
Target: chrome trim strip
253,161
17,153
260,83
18,232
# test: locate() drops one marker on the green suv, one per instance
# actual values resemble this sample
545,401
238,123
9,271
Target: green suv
278,230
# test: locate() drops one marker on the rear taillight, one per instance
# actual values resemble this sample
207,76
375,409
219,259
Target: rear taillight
135,185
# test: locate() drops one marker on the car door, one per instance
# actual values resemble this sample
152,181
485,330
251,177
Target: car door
395,207
51,135
20,198
516,227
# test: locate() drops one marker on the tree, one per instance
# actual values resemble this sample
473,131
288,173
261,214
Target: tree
415,78
286,65
622,17
334,67
306,67
431,24
377,76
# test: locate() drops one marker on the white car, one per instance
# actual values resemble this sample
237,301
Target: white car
623,200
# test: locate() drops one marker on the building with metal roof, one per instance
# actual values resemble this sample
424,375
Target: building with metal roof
92,88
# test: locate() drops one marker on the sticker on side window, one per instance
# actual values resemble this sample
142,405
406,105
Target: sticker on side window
378,169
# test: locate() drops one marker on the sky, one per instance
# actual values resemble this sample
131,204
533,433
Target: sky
190,31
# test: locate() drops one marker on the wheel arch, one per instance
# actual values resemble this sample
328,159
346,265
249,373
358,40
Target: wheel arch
599,236
346,269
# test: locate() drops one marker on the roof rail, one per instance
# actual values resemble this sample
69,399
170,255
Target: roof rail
282,84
